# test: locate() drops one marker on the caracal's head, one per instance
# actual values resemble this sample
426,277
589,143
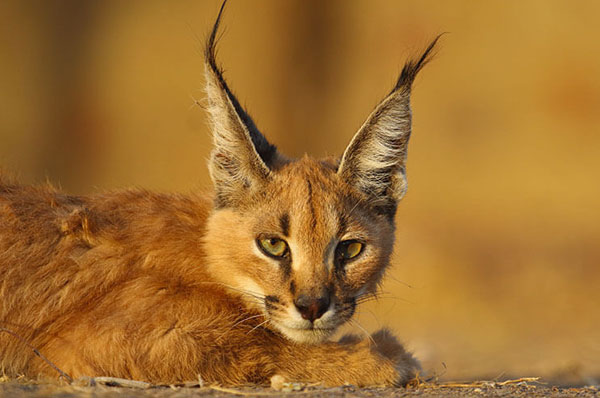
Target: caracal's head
302,242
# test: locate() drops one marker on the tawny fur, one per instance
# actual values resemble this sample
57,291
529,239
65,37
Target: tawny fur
169,288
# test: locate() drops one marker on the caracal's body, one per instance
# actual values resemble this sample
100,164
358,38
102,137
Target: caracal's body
234,287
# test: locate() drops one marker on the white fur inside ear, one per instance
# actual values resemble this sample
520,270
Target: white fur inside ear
234,164
375,159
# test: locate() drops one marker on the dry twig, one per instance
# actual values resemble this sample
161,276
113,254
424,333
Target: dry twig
62,374
119,382
475,384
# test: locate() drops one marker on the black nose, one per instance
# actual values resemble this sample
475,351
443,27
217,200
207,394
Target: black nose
311,308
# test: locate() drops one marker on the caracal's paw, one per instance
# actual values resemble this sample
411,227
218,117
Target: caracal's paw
386,346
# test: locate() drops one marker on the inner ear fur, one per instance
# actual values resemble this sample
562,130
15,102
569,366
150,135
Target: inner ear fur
241,158
375,160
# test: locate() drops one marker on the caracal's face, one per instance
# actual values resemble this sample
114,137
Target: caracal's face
301,242
302,250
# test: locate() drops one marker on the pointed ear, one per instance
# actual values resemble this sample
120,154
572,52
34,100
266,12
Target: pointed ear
375,160
241,155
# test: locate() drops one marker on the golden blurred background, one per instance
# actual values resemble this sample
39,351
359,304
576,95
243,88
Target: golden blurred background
497,265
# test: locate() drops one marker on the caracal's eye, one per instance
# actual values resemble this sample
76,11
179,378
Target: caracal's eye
273,246
349,249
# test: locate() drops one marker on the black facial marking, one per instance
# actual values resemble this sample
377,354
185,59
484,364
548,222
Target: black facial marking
271,302
293,288
311,205
339,271
286,266
350,307
284,223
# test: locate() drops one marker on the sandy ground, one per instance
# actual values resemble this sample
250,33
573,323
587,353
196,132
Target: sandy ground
514,388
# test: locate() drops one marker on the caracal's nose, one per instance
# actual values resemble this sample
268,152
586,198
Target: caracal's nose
312,308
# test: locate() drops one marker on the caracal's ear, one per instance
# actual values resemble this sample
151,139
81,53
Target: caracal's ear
241,155
375,160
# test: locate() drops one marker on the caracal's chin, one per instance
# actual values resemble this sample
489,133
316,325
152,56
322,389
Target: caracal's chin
308,335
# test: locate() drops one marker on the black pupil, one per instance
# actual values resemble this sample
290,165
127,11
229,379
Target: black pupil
343,250
346,246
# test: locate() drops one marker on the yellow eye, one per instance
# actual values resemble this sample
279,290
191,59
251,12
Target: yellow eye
349,249
273,246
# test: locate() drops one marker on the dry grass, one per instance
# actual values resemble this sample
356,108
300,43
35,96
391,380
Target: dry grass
105,387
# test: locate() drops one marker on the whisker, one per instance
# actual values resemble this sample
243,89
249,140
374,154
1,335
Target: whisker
355,323
375,296
377,292
367,297
399,299
370,298
370,313
247,319
369,294
237,323
400,281
257,326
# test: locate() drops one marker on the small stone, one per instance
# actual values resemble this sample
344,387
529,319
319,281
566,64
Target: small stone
277,382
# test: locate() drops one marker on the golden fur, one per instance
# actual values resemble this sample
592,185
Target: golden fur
167,287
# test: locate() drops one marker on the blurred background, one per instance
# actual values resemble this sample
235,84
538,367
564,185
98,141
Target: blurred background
497,264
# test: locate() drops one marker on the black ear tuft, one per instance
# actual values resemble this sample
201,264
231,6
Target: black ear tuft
412,67
266,151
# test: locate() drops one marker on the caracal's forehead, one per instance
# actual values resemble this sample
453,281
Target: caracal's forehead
311,178
307,199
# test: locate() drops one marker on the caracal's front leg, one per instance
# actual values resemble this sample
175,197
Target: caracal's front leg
361,362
